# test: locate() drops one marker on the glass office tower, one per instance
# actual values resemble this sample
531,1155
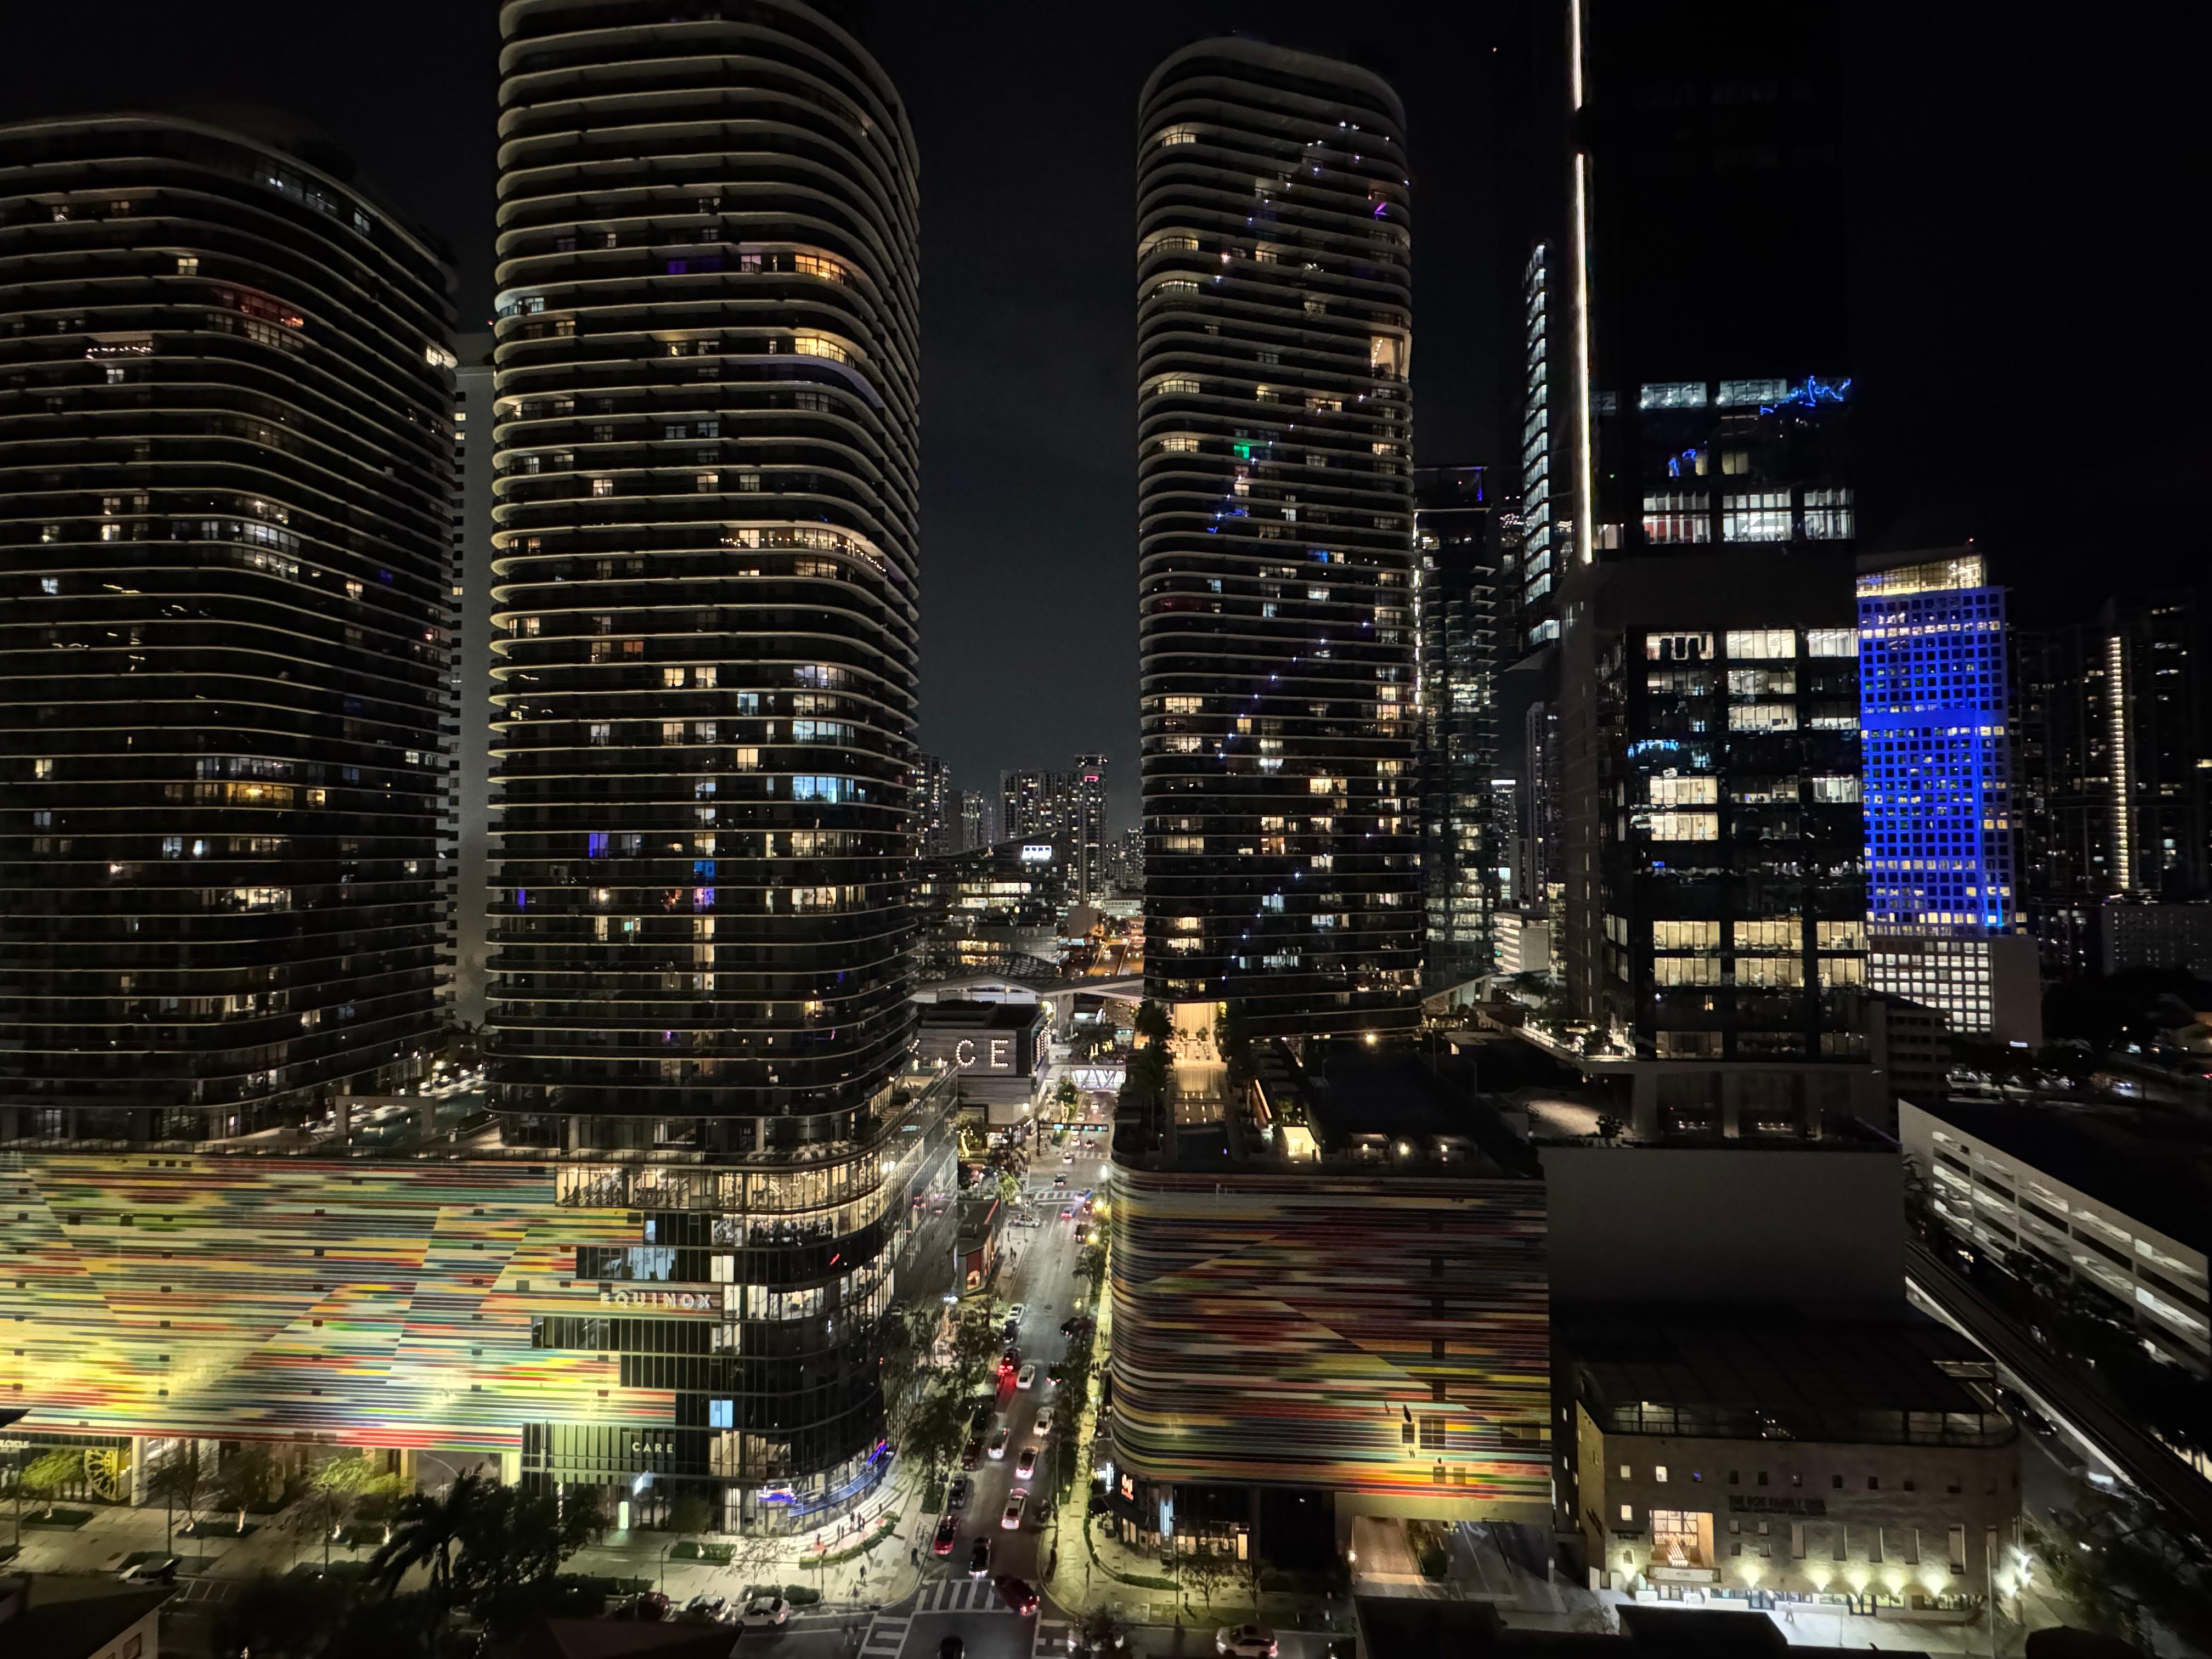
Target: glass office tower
1276,502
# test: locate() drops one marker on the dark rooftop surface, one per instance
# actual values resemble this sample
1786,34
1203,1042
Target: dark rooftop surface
984,1016
2153,1164
1764,1374
72,1628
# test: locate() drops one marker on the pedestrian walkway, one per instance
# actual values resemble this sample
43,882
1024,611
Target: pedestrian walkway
1052,1636
886,1635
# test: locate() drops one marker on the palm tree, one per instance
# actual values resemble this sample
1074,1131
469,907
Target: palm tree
425,1529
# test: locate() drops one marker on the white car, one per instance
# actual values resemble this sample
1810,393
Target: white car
1246,1642
156,1570
1013,1517
996,1446
1016,1312
1026,1377
1025,1465
1043,1426
764,1610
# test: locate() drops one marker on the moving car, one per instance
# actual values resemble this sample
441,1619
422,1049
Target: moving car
1068,1212
1060,1180
997,1445
979,1557
1246,1642
951,1647
986,1409
156,1570
1015,1501
1043,1426
956,1495
948,1534
763,1611
1017,1593
1025,1465
1025,1379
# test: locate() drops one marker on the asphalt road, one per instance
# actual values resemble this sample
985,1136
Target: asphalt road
2053,1384
1042,1279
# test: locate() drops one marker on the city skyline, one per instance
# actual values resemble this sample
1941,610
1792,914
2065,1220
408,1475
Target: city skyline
1942,263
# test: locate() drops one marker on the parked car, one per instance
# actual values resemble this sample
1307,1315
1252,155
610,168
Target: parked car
1016,1501
764,1611
979,1557
1043,1426
948,1535
972,1453
707,1608
956,1495
156,1570
1017,1593
1014,1314
649,1605
996,1446
1025,1465
1246,1642
1026,1377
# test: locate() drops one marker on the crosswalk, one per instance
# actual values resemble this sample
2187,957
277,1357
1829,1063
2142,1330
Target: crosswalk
1051,1638
886,1635
959,1595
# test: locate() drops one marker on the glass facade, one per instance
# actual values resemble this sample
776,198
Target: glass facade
1932,715
226,390
1276,542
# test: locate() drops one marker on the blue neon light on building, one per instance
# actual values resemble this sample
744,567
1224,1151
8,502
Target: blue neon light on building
1938,785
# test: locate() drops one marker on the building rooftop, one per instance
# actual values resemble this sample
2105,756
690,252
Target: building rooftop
1774,1377
1412,1627
2153,1164
50,1620
982,1016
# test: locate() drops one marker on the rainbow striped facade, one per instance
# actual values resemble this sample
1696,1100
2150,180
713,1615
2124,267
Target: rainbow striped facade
1385,1334
352,1303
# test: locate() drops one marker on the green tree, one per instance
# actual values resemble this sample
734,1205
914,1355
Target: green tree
244,1480
1207,1570
274,1617
1010,1187
180,1483
426,1530
690,1513
2116,1559
1151,1023
51,1474
1066,1096
1091,1264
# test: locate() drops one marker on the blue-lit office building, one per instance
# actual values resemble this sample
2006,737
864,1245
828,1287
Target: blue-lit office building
1942,915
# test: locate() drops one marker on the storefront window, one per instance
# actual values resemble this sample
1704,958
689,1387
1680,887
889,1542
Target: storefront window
1681,1538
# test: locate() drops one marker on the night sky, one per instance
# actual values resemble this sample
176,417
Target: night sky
2029,332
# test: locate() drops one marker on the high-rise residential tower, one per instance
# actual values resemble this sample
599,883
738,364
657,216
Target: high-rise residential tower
1462,804
226,467
1275,529
1087,828
932,805
707,556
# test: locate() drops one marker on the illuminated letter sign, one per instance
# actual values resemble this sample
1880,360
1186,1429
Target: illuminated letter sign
963,1052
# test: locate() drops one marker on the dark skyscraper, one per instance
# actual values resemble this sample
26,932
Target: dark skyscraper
226,450
1275,498
707,565
1456,543
1673,187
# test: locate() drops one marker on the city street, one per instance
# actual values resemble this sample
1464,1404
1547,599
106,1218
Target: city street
1040,1277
